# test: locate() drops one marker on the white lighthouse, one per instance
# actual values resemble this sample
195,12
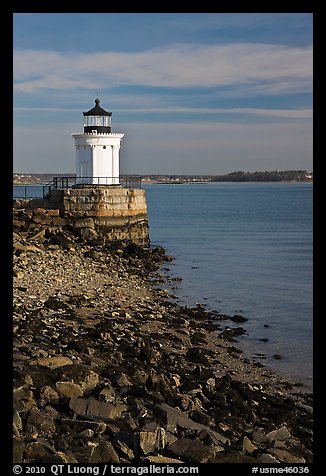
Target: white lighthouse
97,149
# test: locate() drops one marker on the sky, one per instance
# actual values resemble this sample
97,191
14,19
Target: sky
194,93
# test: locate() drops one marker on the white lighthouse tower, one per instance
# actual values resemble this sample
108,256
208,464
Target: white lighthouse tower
97,149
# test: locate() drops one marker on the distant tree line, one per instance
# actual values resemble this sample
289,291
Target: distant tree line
268,176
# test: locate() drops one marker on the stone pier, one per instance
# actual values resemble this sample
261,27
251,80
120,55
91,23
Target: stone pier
111,212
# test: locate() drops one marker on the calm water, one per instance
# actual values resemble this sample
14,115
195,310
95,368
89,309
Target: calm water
244,248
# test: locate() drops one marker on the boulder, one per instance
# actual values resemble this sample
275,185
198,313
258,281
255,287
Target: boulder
191,450
104,453
52,362
40,423
279,434
150,441
95,408
285,456
173,419
69,389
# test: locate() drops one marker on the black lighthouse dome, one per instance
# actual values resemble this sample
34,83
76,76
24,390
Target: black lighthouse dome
97,120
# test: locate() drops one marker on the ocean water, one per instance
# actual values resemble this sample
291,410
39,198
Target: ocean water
245,248
242,248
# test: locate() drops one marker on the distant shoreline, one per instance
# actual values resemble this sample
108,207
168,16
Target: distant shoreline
295,176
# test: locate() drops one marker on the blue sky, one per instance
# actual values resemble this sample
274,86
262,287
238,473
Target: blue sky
194,93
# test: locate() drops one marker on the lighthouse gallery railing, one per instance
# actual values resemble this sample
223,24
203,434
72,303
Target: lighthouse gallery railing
63,183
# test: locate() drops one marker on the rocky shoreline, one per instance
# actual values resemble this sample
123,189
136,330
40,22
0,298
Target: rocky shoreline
107,368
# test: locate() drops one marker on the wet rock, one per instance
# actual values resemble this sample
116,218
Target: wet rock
197,354
238,318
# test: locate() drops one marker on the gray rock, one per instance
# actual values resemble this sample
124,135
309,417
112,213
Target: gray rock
48,394
124,448
267,458
23,398
104,453
212,437
107,394
258,436
123,380
69,389
40,423
150,441
285,456
174,418
279,434
191,450
52,362
34,451
248,446
95,408
81,375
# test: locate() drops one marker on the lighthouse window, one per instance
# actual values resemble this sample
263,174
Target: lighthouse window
97,121
104,147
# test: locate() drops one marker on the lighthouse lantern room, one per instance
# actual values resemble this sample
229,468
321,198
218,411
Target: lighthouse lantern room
97,149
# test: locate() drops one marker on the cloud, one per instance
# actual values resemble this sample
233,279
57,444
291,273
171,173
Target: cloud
280,113
180,66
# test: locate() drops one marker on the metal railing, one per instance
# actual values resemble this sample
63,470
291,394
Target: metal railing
27,191
63,183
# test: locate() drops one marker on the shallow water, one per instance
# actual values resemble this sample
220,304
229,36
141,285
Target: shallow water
244,248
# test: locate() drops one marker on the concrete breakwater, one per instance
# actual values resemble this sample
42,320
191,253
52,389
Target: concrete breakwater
107,368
